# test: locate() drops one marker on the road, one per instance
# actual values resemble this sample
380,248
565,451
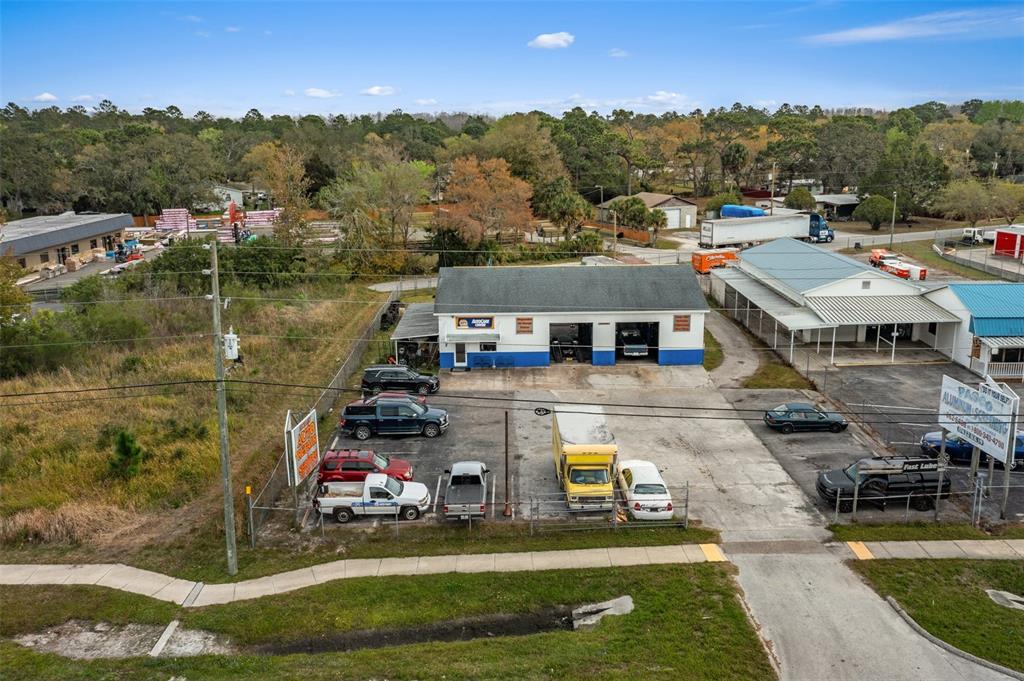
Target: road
848,239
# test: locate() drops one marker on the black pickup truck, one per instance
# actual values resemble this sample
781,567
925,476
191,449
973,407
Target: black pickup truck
884,480
392,417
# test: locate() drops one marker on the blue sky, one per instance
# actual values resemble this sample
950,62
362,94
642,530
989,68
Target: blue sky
495,57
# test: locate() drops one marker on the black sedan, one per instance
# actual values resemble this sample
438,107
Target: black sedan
787,418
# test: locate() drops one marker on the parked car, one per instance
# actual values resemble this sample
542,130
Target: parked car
381,377
377,495
884,480
465,496
392,417
632,343
959,450
644,490
353,465
799,416
370,400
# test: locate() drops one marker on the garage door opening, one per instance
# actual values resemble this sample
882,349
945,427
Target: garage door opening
571,342
636,341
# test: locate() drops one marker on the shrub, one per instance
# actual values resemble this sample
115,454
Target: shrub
126,460
716,202
800,199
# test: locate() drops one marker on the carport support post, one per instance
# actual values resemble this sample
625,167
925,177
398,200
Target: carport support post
791,348
775,339
508,506
832,357
892,360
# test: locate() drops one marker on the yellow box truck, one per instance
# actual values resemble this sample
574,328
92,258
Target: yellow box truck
584,451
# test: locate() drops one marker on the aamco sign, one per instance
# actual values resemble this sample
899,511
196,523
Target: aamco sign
474,322
984,416
302,442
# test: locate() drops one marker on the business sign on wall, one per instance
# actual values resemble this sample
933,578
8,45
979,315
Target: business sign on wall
474,323
984,416
302,445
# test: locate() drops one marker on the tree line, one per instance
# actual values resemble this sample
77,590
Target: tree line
493,175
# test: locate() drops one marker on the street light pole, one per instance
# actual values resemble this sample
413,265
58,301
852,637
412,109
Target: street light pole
771,178
222,417
892,225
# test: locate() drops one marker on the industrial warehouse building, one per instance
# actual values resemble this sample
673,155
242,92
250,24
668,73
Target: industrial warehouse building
990,336
52,239
536,316
788,291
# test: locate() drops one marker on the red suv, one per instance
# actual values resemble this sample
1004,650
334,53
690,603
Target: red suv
353,465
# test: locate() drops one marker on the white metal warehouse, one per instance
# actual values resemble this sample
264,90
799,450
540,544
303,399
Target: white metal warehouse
791,291
534,316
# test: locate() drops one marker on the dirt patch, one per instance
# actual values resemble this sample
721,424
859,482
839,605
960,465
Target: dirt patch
465,629
82,640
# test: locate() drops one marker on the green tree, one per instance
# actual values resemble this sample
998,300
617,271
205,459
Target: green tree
966,200
905,121
526,145
931,112
561,204
716,202
281,169
14,303
1007,200
655,222
874,210
908,168
800,199
126,460
848,149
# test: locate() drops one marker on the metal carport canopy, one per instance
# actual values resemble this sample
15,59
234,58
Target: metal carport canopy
417,322
996,342
794,317
857,310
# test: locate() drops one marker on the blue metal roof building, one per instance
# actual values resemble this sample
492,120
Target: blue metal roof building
997,309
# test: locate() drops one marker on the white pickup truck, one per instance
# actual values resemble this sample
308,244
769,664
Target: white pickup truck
977,235
378,495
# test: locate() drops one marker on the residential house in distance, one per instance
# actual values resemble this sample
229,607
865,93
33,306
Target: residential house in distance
679,213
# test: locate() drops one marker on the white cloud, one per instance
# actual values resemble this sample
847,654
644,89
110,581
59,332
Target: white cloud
82,98
191,18
320,93
617,53
289,93
380,91
202,34
232,29
45,97
552,41
425,102
986,23
664,97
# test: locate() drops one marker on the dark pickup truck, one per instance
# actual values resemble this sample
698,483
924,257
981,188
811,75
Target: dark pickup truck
392,417
466,494
884,480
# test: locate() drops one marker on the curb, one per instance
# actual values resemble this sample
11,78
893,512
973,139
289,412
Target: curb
1013,674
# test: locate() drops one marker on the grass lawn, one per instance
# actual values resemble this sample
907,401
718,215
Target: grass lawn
922,252
774,373
947,597
666,245
921,532
687,623
713,355
200,557
919,224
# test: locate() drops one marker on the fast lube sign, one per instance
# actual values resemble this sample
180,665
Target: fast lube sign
984,416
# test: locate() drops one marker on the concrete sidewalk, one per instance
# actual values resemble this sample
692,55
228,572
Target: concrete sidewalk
197,594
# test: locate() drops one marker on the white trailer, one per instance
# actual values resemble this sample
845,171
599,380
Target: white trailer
739,231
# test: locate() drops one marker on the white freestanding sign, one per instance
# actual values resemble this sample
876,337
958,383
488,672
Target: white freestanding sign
984,416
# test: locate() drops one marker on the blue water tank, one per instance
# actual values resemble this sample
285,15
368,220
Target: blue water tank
731,210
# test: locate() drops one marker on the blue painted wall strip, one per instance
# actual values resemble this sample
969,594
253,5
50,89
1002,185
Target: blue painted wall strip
680,356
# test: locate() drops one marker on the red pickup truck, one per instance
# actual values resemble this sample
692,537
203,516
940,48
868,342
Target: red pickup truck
353,465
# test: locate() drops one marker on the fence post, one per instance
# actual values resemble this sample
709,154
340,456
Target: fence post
248,509
906,513
839,495
686,508
532,516
397,511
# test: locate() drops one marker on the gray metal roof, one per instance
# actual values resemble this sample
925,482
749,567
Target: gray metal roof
802,266
789,314
838,199
47,231
651,200
417,322
1003,341
625,288
878,310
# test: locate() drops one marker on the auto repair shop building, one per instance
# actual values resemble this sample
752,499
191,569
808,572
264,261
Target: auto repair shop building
534,316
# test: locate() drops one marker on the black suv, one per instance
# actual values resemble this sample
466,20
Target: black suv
381,377
392,417
801,416
887,479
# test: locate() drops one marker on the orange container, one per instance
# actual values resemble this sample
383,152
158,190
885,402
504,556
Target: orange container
705,260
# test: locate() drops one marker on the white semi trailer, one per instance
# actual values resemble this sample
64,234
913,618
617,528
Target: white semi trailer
738,231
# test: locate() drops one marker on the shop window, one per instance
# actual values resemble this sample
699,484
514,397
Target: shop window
681,322
44,257
524,325
488,347
74,249
92,243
